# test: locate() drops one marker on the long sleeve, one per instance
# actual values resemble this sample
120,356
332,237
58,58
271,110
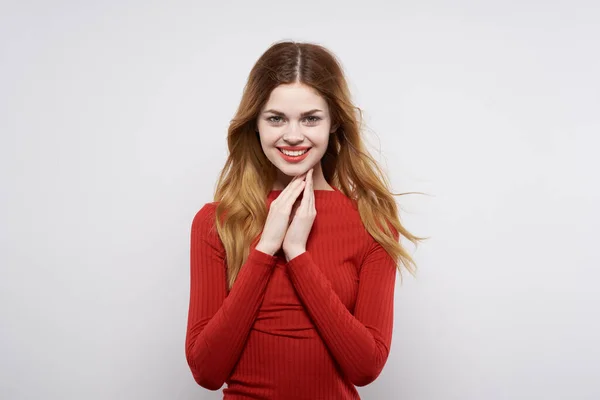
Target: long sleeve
218,322
360,343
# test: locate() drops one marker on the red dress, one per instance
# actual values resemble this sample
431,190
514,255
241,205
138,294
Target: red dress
311,328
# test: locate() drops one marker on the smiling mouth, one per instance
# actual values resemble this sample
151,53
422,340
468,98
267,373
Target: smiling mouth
296,153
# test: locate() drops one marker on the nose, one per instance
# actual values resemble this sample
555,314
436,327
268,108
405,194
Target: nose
293,134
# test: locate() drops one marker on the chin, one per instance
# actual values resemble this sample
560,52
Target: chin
293,170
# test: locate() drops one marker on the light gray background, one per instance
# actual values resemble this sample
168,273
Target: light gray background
113,121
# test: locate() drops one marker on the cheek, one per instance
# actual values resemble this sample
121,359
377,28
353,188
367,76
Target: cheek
321,138
268,133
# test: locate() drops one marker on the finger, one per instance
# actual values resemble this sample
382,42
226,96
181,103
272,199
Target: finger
308,190
294,179
305,203
290,197
290,187
296,208
312,192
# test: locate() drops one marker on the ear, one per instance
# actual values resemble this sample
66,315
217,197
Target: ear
334,128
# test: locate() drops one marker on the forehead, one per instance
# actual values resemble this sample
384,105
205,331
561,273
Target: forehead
295,98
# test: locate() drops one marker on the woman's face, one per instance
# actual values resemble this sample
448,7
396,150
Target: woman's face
295,115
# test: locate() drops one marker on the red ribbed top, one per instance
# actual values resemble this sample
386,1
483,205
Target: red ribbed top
311,328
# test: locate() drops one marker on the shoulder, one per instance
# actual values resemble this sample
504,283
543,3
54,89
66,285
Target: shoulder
204,229
205,217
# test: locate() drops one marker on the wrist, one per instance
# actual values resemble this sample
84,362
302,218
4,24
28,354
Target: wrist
293,253
265,249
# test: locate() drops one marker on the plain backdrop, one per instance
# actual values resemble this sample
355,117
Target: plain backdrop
113,119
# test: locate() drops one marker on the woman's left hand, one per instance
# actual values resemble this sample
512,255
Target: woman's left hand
294,242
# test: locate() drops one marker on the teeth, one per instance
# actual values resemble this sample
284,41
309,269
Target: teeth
293,153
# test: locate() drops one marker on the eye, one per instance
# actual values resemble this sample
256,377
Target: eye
313,119
278,119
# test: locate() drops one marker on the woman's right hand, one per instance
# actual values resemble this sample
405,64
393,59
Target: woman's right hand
278,219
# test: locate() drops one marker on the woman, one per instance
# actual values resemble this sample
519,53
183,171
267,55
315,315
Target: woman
293,265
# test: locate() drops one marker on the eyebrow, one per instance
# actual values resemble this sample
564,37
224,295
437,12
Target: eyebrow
302,115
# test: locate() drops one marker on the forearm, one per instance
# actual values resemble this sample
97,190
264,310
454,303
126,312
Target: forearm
360,350
214,344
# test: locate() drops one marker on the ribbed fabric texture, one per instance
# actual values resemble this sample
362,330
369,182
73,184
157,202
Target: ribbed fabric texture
311,328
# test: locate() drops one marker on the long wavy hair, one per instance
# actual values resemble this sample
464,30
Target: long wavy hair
248,175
